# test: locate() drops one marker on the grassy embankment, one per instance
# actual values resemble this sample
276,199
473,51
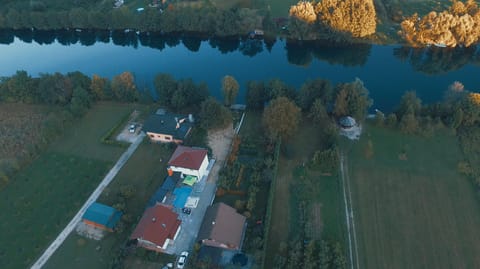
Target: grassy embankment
44,196
296,183
412,208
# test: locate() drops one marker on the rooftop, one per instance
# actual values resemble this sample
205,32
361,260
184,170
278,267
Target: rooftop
187,157
175,125
224,225
157,224
102,214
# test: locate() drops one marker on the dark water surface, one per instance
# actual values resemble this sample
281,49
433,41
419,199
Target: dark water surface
387,71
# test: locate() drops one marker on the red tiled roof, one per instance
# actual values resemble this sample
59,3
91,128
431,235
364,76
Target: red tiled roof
187,157
156,225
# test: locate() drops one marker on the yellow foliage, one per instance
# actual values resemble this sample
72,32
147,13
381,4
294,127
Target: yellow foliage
474,98
460,25
304,11
353,16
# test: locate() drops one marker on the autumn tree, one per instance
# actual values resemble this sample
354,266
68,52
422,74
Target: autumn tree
352,100
99,87
123,87
281,118
459,25
304,11
352,16
230,89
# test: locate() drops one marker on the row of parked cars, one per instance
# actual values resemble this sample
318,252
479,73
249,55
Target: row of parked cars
180,262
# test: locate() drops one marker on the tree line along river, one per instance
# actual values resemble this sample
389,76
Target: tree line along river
387,71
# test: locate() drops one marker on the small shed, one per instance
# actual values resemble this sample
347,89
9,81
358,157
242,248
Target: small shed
101,216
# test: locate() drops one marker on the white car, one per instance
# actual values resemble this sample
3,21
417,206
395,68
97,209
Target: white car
182,260
131,129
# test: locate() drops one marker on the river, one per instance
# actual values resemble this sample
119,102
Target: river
387,71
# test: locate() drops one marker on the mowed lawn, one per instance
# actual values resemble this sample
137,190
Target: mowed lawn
280,8
145,173
412,209
42,198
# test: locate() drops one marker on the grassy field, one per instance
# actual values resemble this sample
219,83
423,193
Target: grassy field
145,173
43,196
19,125
412,208
296,183
280,8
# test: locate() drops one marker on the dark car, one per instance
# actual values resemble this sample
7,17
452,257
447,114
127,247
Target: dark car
187,210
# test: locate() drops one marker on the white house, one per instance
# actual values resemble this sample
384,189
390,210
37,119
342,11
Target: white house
189,161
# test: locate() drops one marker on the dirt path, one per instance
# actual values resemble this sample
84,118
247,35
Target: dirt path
347,197
93,197
219,141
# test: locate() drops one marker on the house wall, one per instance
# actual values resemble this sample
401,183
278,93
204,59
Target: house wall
213,243
149,245
198,173
97,225
163,138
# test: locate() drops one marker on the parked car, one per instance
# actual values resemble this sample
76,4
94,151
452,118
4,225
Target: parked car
132,128
182,260
187,210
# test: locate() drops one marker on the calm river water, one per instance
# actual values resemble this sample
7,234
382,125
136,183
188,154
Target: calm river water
387,71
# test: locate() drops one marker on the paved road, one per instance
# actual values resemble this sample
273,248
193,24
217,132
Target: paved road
93,197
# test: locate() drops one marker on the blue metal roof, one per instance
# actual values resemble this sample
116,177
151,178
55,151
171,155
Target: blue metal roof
168,185
181,196
102,214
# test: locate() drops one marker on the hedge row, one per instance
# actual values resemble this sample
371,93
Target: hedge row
107,138
271,195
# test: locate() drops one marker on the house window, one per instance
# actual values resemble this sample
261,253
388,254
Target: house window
152,136
168,138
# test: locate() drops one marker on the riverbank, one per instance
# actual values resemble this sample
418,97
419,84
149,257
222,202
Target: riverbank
230,19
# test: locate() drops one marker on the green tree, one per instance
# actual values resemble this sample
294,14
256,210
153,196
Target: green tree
281,118
409,104
277,88
213,115
409,123
256,94
230,89
318,112
312,90
352,100
80,102
165,86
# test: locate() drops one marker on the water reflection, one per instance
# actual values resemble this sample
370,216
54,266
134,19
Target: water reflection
433,60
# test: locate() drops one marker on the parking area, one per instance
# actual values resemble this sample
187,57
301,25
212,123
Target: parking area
130,132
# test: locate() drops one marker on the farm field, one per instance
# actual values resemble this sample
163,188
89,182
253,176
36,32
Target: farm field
144,173
296,184
412,209
44,195
19,125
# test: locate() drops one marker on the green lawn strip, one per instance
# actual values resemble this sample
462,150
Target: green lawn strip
40,201
145,173
280,8
412,213
84,137
290,189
